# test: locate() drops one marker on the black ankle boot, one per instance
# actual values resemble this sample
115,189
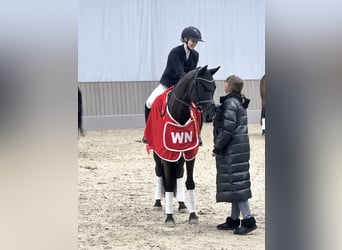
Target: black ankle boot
230,224
247,226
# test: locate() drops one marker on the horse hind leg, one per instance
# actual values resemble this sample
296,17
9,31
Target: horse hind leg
159,188
180,189
181,196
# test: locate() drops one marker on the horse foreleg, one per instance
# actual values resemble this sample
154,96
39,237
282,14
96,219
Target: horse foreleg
158,192
169,221
169,169
190,185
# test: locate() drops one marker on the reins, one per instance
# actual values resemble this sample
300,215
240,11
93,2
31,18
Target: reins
179,100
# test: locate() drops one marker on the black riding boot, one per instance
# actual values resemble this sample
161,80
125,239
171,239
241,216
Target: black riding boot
147,112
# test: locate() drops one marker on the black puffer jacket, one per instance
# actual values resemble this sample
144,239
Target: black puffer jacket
177,65
231,146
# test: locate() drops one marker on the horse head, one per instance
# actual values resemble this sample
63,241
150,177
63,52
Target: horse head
202,92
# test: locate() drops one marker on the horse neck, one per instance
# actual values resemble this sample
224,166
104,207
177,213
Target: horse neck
178,109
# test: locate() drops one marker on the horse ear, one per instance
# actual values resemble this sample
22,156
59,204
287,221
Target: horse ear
213,71
202,70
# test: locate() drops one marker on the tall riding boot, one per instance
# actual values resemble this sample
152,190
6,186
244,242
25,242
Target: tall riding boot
147,112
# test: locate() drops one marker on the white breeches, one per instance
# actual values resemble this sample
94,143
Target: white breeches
156,92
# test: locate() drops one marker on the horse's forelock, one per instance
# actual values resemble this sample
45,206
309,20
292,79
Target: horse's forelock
190,75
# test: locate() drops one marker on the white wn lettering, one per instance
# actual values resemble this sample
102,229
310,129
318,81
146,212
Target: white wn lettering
177,137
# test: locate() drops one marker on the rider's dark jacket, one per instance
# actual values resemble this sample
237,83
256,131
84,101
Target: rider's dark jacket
231,146
177,65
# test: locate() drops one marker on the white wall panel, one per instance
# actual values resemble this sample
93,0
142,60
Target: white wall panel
129,40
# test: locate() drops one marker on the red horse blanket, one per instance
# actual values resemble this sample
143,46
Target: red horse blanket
166,137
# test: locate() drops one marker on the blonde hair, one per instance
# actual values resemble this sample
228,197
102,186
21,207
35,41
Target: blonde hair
236,83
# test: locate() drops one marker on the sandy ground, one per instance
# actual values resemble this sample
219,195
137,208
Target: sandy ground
116,195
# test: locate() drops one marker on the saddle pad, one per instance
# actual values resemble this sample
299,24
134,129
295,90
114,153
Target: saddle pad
156,129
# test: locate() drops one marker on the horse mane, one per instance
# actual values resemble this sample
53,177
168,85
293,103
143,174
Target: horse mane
188,76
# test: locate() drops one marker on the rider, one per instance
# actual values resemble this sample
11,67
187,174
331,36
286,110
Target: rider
181,60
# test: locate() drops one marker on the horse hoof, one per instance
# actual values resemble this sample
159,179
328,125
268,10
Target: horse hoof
193,218
170,222
157,204
182,208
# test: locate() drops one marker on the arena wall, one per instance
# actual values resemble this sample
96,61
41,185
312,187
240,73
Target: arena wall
108,105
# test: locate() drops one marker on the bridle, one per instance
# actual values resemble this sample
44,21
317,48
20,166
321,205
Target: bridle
199,105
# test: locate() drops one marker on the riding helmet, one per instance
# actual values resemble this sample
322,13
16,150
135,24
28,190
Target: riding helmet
192,33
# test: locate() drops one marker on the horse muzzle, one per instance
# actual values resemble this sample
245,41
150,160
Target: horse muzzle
208,114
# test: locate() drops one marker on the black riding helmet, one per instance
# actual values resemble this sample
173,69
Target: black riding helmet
191,33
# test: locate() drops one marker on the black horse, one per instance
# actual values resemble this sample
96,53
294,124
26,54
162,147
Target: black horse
192,95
